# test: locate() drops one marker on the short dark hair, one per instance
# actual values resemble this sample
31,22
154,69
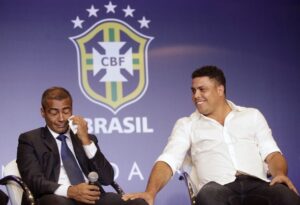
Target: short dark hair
213,72
55,93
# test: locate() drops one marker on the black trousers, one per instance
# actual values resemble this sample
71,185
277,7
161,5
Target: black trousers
3,198
105,199
246,190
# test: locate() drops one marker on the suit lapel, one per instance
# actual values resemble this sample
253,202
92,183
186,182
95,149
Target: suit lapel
54,162
49,140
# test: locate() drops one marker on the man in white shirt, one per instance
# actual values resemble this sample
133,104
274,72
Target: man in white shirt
228,146
54,161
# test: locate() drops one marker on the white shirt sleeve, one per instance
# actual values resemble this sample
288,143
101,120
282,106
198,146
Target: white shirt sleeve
266,142
90,150
62,190
177,146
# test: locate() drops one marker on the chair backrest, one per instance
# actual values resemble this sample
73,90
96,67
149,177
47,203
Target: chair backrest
14,190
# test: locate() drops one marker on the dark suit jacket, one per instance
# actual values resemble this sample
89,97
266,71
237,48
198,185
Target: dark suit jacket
3,198
39,161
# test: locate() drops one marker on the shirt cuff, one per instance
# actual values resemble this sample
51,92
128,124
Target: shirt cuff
62,190
90,150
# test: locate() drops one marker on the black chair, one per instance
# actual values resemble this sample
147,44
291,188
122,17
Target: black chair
12,179
190,186
189,176
117,188
15,186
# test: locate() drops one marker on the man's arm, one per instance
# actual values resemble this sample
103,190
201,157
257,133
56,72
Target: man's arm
30,167
98,162
159,177
84,192
278,169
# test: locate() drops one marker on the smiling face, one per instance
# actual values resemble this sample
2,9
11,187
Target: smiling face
207,95
56,114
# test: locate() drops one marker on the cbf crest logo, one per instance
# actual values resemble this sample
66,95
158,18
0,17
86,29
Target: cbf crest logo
112,57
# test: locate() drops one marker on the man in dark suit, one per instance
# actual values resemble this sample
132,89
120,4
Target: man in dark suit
44,170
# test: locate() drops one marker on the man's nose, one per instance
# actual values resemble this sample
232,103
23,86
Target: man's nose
196,93
61,117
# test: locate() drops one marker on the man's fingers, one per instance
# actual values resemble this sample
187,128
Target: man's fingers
126,197
85,193
133,196
280,179
293,188
272,183
92,198
284,180
93,192
139,195
89,198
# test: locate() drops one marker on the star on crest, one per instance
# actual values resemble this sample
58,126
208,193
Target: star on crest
144,22
110,7
77,22
92,11
128,11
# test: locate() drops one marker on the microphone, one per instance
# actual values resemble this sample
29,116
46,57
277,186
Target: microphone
93,178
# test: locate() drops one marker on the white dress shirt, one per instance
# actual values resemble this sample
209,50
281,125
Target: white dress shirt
219,152
63,180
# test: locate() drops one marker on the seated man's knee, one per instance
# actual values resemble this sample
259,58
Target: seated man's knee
54,199
137,202
281,193
212,192
211,188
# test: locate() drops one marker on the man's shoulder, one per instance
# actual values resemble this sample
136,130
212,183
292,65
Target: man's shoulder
247,110
243,109
189,119
33,133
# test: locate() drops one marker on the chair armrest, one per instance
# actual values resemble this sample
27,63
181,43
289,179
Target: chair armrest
118,188
190,186
18,180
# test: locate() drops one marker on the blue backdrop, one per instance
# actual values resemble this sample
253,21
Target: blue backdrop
255,42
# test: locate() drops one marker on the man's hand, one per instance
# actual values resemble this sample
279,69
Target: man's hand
82,129
84,193
278,168
142,195
160,175
282,179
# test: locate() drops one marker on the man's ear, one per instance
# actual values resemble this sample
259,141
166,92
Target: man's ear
42,112
221,90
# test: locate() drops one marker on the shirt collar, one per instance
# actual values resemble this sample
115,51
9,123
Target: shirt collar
234,107
55,135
